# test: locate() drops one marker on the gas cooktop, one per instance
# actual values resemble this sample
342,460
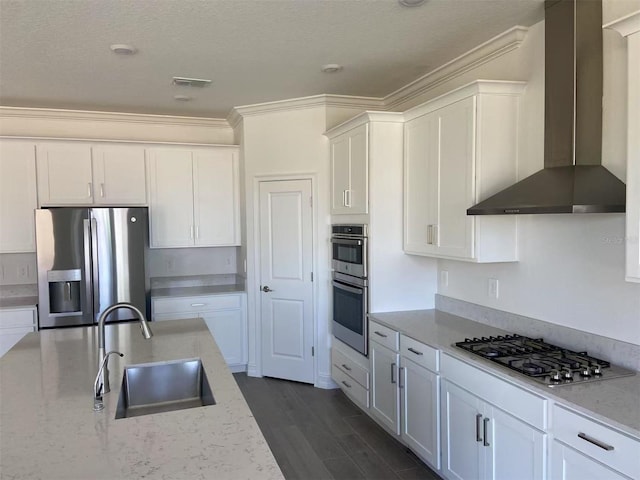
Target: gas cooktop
543,362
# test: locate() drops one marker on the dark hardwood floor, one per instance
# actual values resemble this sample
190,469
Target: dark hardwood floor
320,434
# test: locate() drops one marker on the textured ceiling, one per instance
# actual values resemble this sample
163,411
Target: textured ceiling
55,53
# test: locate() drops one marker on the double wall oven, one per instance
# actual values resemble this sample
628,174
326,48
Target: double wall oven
350,298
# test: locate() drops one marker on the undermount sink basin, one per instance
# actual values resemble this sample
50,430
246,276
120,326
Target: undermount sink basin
163,387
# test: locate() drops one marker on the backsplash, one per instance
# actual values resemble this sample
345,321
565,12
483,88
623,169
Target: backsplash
196,281
13,291
618,352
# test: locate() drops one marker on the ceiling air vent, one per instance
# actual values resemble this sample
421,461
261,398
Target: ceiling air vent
190,82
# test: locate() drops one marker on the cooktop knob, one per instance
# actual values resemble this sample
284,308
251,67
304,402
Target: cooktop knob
555,376
567,374
585,371
596,369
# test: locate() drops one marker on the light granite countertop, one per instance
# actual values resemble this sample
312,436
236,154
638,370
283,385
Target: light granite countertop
49,429
615,402
196,290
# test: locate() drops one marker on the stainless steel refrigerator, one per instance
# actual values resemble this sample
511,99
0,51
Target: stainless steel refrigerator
89,259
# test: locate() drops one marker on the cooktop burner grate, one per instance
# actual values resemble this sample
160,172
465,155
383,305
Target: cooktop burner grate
543,362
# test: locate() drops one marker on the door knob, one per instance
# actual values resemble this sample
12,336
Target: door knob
266,289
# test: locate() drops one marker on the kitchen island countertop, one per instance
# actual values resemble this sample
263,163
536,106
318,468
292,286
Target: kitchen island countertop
49,429
615,401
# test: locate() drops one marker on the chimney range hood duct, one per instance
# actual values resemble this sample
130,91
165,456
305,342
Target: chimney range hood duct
573,179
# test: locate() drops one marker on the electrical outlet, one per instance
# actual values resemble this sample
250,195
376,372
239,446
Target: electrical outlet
170,264
493,288
444,278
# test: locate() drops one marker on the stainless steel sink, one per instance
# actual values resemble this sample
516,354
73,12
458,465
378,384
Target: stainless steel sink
163,387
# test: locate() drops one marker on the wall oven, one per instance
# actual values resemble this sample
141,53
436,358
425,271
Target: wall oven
349,249
350,297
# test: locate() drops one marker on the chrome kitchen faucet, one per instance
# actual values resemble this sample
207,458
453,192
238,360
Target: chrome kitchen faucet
101,385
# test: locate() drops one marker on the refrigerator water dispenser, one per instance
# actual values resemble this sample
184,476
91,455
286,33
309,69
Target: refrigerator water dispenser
64,291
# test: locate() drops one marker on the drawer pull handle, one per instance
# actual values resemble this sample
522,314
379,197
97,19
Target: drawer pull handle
478,418
486,433
198,304
415,351
380,334
597,443
346,384
348,369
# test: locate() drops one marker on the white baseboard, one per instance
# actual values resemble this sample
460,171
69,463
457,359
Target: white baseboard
324,381
252,371
238,368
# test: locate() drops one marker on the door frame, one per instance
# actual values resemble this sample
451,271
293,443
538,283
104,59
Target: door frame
254,283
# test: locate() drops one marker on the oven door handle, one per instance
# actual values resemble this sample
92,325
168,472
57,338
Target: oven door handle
346,241
342,286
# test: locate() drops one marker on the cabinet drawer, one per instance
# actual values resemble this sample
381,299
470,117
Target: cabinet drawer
520,403
419,353
17,318
349,367
355,391
615,449
196,304
383,335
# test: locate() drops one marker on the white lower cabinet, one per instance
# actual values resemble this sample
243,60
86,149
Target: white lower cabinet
15,323
350,370
584,448
569,464
497,432
385,394
225,315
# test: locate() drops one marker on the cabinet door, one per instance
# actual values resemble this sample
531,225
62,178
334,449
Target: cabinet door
170,197
461,433
17,196
357,197
340,172
227,328
515,450
421,184
420,413
216,197
569,464
454,232
119,175
64,174
385,395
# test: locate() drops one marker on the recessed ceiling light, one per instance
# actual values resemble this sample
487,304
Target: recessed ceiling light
331,68
183,98
122,49
411,3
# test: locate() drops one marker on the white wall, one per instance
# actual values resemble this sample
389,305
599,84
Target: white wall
285,143
571,268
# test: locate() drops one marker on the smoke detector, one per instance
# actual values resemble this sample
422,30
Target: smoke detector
331,68
191,82
122,49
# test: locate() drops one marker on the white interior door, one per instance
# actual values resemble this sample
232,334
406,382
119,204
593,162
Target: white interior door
286,254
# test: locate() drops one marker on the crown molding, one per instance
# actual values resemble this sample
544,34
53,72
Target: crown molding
627,25
365,117
85,115
336,101
483,53
490,87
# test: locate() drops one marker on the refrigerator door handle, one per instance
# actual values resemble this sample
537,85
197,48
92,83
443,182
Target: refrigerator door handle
86,236
95,269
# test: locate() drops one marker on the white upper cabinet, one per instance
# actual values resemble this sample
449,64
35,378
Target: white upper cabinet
461,148
216,197
629,27
194,196
119,175
349,171
77,173
17,196
64,174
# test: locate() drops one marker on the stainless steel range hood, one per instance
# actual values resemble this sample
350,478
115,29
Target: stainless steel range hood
573,179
